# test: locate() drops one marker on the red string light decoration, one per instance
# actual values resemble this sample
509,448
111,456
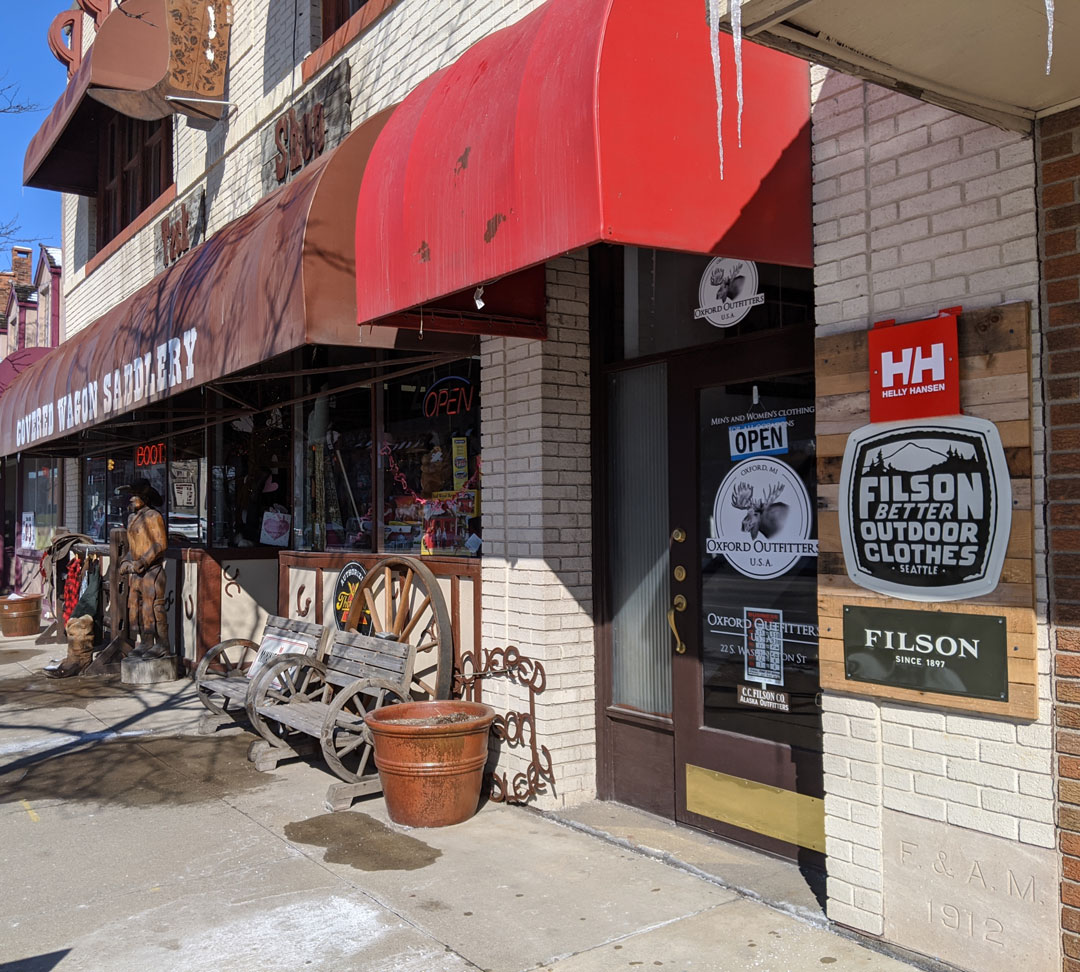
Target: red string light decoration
440,504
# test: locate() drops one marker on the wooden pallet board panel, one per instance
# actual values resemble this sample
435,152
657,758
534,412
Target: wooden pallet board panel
995,384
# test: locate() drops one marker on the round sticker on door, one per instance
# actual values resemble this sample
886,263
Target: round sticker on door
727,292
762,519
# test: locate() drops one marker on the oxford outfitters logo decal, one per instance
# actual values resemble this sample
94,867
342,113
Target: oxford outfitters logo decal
926,508
762,518
727,292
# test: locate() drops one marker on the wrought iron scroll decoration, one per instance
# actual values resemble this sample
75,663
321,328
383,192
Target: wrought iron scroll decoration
514,728
301,611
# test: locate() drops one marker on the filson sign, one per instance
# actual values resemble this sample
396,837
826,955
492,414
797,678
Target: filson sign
925,509
955,654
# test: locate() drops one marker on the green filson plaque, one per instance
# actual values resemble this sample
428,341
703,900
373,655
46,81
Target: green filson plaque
956,654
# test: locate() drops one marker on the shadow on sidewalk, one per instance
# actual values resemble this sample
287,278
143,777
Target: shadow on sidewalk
163,771
36,963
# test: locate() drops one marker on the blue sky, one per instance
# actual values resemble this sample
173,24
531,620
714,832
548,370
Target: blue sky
29,64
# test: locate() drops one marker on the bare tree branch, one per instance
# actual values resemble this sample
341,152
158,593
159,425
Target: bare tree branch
11,103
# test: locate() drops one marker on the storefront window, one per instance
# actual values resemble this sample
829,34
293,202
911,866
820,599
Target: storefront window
121,472
151,464
94,495
337,472
430,461
40,506
251,482
185,496
674,300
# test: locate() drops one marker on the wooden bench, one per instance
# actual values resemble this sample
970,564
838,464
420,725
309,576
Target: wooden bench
300,702
229,672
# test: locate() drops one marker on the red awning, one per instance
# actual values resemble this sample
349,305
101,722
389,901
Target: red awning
586,121
277,278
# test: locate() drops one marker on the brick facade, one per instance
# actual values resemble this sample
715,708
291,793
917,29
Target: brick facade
917,208
410,41
536,509
1058,144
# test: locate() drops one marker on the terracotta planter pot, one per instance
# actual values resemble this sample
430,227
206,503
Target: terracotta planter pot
20,617
430,757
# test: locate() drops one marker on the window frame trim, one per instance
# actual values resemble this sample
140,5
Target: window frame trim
329,49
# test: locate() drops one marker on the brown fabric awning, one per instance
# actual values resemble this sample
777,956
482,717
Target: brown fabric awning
141,68
279,277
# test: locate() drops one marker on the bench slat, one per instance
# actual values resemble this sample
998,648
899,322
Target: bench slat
373,669
390,663
345,641
309,634
306,717
231,686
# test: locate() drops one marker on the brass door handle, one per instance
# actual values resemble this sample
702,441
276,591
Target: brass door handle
678,604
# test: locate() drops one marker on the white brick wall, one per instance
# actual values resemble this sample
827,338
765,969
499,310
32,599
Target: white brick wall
915,209
536,509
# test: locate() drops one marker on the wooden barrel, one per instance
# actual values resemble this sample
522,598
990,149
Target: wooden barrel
20,617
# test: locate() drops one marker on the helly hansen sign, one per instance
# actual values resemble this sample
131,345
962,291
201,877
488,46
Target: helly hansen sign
955,654
925,508
914,369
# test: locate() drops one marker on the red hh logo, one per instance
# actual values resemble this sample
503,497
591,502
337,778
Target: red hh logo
914,369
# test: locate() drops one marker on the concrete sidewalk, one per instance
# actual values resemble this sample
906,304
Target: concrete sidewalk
129,843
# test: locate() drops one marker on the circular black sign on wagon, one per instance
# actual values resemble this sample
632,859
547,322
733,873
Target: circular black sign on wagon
926,508
348,585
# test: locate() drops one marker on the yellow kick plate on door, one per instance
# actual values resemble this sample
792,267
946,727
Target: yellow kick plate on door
767,810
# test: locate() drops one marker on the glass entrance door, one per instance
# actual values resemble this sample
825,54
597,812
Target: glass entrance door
743,586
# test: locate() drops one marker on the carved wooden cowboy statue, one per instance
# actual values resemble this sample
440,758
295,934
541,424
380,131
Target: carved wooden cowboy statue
148,625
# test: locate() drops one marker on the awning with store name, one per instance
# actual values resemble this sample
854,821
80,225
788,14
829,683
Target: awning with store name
149,59
586,121
277,278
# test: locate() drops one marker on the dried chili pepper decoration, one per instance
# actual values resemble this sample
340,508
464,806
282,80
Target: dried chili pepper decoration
71,587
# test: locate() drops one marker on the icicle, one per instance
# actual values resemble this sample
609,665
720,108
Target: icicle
1049,33
714,49
736,32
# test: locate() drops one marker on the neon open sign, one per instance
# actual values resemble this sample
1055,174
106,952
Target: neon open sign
150,455
449,396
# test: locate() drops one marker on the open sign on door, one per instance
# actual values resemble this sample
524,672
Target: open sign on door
768,437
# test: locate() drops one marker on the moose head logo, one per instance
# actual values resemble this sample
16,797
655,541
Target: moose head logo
728,279
764,516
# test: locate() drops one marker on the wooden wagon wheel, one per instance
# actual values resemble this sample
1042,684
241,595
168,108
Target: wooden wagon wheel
401,595
292,678
218,657
346,739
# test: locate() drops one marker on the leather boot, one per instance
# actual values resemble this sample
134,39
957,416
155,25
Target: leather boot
80,638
